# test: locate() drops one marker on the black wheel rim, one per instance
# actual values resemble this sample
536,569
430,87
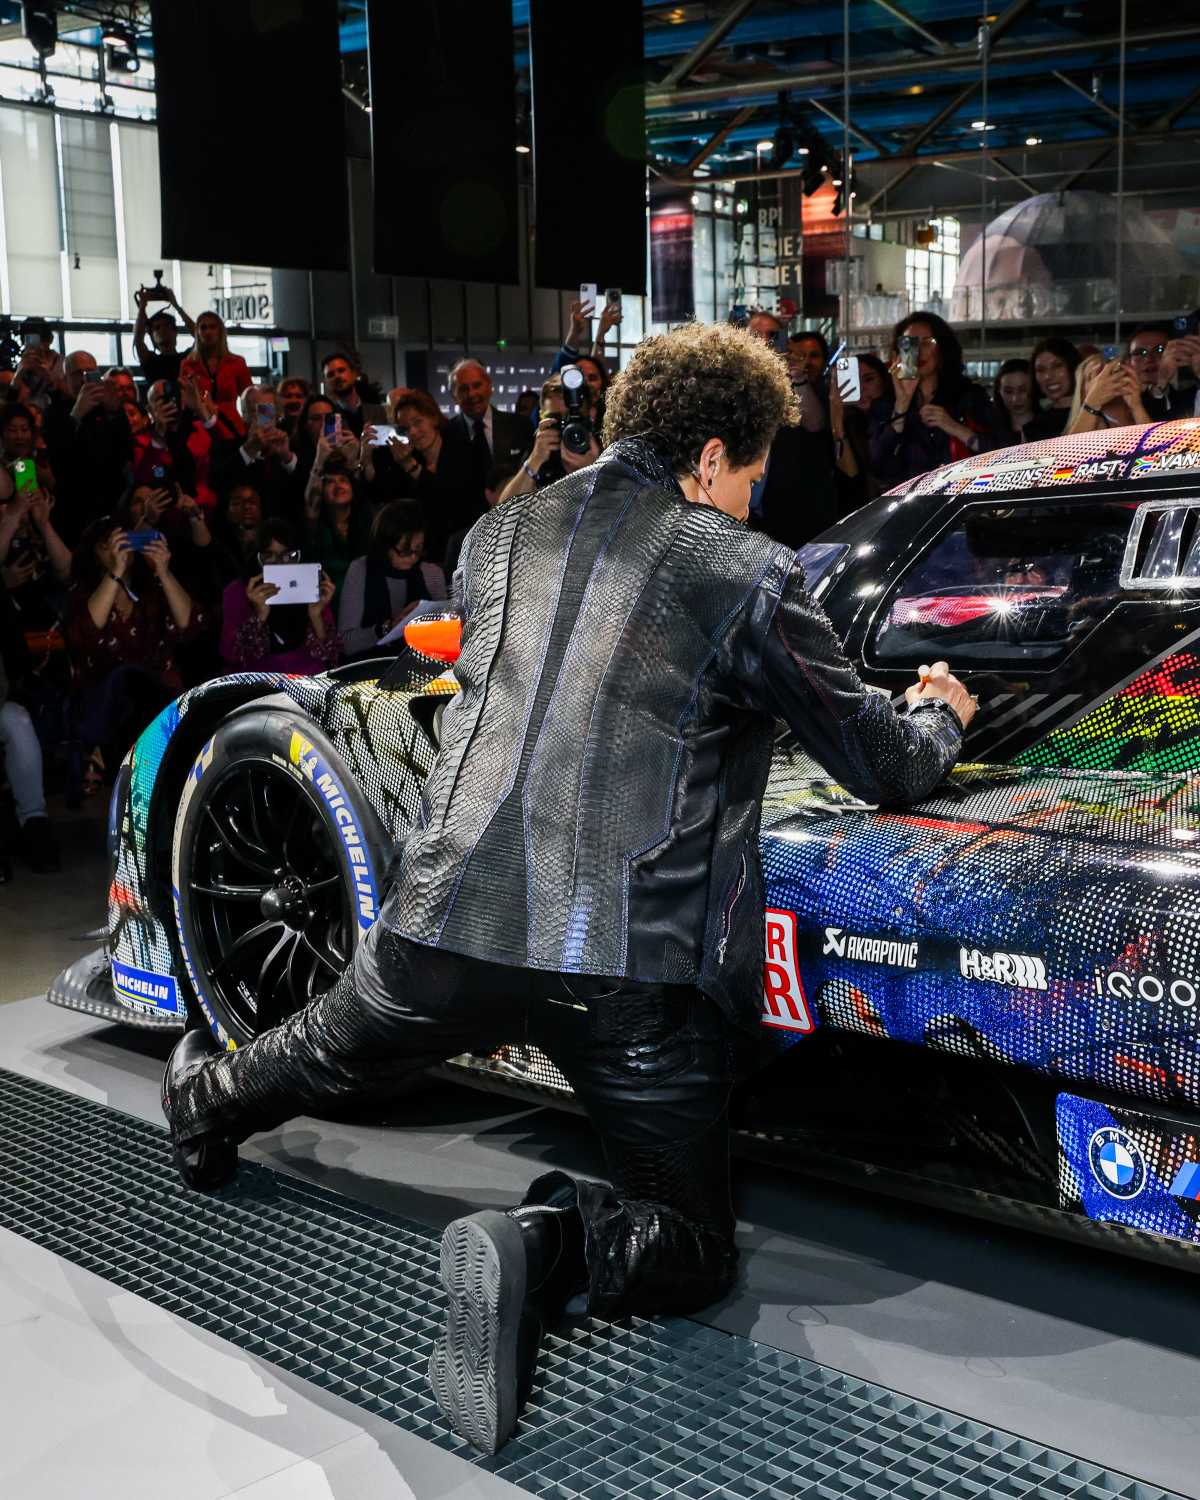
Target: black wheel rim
270,917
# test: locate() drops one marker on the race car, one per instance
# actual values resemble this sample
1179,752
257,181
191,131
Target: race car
987,1001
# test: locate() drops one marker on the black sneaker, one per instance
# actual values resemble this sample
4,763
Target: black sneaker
40,846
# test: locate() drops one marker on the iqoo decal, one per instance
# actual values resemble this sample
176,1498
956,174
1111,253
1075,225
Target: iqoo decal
312,766
1151,989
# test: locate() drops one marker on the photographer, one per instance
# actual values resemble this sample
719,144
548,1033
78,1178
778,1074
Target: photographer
262,458
36,561
164,361
40,371
551,457
1158,358
163,455
939,414
423,462
342,377
798,495
257,636
127,614
1106,395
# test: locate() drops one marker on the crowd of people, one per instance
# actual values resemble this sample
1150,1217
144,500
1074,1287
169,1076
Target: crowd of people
916,413
141,519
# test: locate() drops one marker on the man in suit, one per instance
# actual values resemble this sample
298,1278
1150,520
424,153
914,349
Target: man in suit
493,436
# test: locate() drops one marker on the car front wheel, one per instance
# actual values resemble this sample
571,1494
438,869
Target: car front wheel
276,868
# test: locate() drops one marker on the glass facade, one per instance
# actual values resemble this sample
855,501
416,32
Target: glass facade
79,231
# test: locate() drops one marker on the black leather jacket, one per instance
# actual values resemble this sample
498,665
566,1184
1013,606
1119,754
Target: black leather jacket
595,805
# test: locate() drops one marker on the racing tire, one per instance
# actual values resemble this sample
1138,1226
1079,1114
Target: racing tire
277,867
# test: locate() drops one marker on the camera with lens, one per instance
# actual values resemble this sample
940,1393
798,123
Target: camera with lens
576,435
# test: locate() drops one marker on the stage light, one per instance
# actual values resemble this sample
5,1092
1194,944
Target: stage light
523,150
1033,140
764,146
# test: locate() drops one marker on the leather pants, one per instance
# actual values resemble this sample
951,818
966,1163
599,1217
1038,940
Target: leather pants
652,1064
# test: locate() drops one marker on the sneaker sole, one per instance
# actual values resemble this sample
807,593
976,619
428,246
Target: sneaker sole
473,1367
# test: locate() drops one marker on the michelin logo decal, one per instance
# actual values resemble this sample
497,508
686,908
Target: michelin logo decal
141,988
865,950
312,766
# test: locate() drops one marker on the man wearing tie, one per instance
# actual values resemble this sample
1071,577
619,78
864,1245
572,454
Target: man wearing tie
493,437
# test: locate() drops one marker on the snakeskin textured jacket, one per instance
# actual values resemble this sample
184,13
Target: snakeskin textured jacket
595,806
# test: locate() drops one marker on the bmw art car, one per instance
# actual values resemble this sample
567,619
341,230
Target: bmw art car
988,1001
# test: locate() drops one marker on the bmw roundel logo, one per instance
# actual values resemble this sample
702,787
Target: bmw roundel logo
1116,1162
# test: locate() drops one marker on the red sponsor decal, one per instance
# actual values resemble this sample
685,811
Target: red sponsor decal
784,1002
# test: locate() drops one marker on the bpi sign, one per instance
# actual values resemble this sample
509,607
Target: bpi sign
784,1003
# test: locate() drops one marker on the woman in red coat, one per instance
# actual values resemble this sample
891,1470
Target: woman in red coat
220,375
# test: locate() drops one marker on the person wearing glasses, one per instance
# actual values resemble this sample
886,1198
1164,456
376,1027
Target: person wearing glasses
257,636
937,416
1156,357
385,585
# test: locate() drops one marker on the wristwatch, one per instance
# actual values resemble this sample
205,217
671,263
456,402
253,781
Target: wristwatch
531,474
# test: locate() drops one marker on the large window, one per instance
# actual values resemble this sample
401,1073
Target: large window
1024,582
930,271
80,228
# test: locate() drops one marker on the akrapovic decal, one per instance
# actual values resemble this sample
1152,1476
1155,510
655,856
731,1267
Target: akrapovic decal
314,768
898,953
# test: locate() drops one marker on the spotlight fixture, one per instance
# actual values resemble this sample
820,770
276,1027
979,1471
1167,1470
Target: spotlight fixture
121,54
763,146
39,25
523,150
1033,140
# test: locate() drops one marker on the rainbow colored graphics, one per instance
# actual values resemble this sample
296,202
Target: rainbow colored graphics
1151,724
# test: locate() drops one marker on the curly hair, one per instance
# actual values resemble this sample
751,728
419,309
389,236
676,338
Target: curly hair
697,382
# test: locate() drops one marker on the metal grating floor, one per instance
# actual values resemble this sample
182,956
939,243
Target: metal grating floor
349,1299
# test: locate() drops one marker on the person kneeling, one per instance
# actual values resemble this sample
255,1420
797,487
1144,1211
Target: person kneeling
585,875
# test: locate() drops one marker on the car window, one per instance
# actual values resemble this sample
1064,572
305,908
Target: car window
1006,583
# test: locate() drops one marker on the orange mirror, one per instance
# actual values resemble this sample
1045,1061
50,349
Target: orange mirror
437,636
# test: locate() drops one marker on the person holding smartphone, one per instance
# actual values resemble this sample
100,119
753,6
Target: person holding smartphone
938,414
263,456
127,615
798,495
